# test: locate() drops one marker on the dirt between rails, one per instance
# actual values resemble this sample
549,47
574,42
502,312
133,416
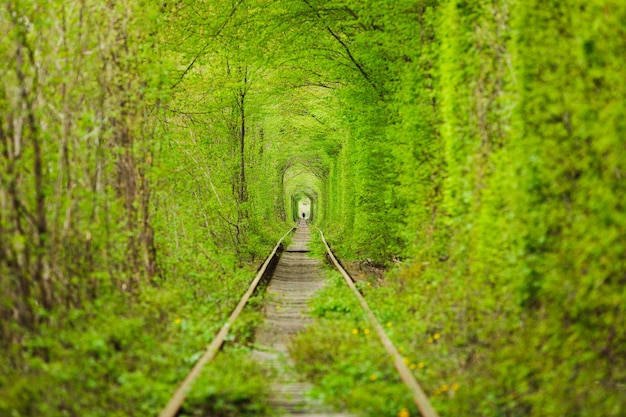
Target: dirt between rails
294,282
364,271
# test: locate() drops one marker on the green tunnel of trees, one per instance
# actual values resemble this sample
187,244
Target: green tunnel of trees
151,153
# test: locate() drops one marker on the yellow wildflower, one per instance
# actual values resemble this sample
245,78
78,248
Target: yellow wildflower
355,331
404,413
177,321
436,336
430,340
277,307
406,361
374,377
412,366
420,365
444,388
454,387
389,324
366,331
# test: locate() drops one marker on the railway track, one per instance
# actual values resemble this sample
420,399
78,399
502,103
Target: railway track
294,282
294,277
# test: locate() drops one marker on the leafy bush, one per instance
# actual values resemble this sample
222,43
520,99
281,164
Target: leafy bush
232,385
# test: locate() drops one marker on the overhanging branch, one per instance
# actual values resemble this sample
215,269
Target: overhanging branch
346,48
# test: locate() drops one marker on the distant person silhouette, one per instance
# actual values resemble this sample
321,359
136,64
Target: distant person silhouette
303,216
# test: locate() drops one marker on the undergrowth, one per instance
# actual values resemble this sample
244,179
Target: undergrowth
121,358
232,385
342,355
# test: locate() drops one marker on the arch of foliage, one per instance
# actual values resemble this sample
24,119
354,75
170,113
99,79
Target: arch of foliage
149,154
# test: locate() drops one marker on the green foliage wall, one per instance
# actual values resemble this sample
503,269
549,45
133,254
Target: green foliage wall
486,150
126,222
75,156
509,148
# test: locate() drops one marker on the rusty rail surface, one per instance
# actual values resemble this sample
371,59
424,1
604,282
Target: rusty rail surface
172,407
420,398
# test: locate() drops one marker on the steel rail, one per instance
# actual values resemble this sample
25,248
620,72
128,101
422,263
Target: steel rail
420,398
172,407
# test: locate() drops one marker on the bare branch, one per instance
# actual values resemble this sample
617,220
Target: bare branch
346,49
206,46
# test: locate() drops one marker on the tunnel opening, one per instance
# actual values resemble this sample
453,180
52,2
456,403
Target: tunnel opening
302,191
304,206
